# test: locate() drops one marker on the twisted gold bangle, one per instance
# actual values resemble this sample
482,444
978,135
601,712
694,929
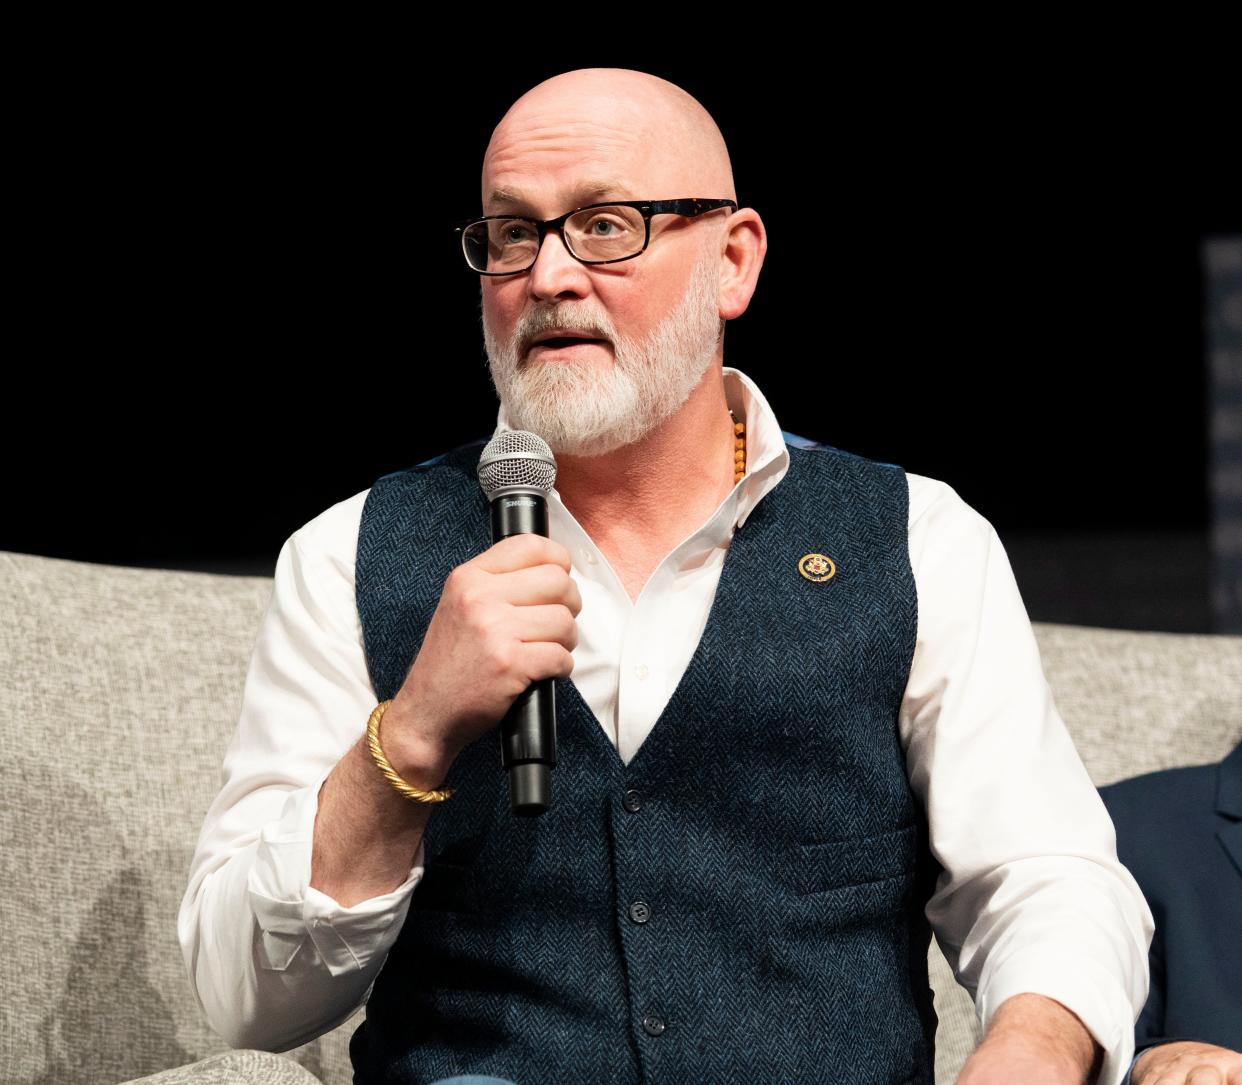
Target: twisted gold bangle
377,755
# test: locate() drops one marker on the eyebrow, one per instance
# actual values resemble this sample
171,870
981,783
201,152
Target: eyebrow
585,193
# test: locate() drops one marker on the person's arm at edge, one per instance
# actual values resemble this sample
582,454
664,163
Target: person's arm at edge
977,712
272,960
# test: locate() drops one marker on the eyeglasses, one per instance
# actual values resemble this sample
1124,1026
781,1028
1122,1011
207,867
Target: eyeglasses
600,233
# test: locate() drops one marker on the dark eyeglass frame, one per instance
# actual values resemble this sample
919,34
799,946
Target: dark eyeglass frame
690,207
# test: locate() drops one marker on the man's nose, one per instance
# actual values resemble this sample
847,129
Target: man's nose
555,272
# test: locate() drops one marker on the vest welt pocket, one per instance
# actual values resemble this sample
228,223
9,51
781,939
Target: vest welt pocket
824,866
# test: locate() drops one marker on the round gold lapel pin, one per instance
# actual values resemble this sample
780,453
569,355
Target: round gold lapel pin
817,567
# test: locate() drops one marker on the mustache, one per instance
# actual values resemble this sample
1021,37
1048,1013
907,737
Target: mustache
585,322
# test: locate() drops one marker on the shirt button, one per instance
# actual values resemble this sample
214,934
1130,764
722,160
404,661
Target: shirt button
632,801
653,1025
589,557
640,911
641,671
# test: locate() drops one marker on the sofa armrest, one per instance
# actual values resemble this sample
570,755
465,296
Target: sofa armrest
234,1068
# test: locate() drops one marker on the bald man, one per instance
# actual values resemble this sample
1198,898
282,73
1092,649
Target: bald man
774,771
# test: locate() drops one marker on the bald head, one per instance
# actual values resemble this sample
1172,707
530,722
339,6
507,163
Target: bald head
592,138
639,130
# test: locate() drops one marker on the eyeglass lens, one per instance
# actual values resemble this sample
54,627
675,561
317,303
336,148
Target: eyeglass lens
595,234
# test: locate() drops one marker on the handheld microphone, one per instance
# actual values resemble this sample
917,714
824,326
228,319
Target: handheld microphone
516,471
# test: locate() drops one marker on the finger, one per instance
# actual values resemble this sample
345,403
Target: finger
548,623
545,583
521,552
1205,1075
545,659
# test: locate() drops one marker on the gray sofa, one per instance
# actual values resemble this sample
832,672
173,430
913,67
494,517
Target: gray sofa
121,688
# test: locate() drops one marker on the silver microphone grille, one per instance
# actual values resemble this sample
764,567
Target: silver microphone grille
516,458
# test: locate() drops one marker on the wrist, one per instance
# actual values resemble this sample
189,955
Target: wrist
1048,1027
415,752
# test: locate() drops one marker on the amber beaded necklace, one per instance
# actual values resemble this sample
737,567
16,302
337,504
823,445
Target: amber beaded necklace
739,450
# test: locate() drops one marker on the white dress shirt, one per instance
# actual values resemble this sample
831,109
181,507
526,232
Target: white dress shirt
1032,897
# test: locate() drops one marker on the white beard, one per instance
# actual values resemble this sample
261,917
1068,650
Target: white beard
583,411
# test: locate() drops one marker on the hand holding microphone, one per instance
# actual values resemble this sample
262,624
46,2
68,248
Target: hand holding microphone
516,471
503,630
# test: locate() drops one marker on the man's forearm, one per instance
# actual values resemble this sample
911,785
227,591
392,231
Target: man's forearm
1035,1040
272,970
292,970
367,833
256,989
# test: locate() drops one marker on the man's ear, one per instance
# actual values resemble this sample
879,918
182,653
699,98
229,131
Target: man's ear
741,256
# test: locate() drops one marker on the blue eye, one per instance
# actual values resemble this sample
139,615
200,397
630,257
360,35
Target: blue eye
606,225
516,232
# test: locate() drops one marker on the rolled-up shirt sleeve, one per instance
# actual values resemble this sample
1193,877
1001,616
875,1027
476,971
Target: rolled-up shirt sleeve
1032,897
273,962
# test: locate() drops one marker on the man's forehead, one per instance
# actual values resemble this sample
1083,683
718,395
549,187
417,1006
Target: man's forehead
596,135
515,198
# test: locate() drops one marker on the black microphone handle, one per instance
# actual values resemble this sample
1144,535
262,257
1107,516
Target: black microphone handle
528,730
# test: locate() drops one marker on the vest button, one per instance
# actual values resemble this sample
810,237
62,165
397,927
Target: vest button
632,801
640,911
653,1025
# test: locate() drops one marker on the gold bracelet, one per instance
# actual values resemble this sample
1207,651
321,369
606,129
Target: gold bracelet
377,755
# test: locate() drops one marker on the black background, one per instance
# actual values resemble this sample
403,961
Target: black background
238,298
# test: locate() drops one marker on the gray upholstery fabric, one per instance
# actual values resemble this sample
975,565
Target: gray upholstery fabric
235,1068
119,691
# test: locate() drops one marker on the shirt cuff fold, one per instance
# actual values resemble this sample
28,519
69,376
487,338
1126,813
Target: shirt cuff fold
290,911
1083,986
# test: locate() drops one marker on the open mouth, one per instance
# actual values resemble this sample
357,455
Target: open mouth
564,342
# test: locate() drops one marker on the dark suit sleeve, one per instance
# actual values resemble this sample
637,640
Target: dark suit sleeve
1149,1030
1150,1025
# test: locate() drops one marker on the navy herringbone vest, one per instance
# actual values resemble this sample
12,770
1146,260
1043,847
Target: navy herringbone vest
743,900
